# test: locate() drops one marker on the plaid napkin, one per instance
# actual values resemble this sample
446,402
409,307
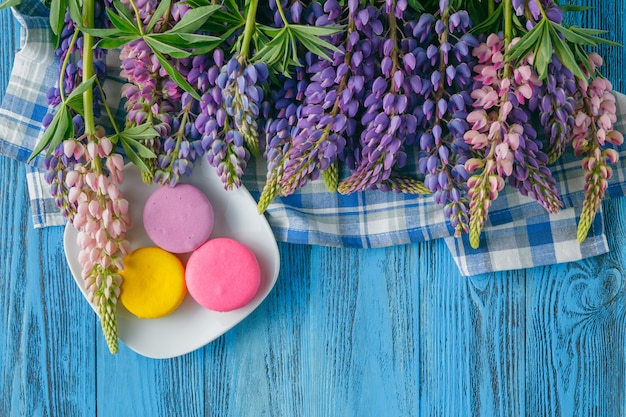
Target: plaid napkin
518,234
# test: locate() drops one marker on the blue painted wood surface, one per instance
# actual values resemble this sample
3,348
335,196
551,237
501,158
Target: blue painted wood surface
345,332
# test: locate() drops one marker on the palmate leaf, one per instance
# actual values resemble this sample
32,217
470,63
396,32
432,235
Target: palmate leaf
157,45
565,55
75,99
141,132
574,8
527,43
492,22
59,129
123,23
136,151
175,75
584,36
134,156
281,51
187,40
194,19
275,53
543,52
544,40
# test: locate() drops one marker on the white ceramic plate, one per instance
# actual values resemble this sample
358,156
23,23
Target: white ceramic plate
190,326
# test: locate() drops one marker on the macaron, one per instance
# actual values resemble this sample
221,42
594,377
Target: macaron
223,275
153,282
178,219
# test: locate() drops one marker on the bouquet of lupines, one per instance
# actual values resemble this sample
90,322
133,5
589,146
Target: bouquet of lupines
454,98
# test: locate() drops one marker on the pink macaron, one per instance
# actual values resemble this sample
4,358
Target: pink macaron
178,219
223,275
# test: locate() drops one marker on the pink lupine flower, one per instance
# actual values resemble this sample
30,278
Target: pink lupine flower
500,130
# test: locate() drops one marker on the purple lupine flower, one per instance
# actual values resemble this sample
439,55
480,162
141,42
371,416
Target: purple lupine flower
242,95
327,116
387,119
279,131
441,113
556,102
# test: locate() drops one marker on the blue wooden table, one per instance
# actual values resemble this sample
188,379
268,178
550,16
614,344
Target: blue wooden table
345,332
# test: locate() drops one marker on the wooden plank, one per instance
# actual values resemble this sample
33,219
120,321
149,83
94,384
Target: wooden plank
575,332
391,331
46,329
472,332
46,335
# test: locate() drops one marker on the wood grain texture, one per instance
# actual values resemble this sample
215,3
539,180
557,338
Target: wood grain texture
345,332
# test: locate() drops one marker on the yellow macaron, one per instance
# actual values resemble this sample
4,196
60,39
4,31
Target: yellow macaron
153,283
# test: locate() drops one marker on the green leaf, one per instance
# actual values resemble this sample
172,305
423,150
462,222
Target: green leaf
57,15
75,99
492,21
176,76
105,33
51,131
141,149
198,3
565,55
234,8
74,8
141,132
317,46
415,5
272,51
317,30
9,3
194,19
574,37
185,40
591,32
123,10
526,44
164,48
158,13
65,130
543,53
134,157
122,23
270,31
114,43
574,8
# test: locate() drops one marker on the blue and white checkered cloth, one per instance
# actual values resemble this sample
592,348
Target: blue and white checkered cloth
518,234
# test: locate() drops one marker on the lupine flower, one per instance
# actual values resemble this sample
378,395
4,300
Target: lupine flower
446,67
279,131
501,134
330,106
388,122
593,135
556,102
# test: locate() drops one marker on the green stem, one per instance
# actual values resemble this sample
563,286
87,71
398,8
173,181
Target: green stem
139,23
508,32
88,72
508,23
282,13
66,61
491,6
249,28
88,66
